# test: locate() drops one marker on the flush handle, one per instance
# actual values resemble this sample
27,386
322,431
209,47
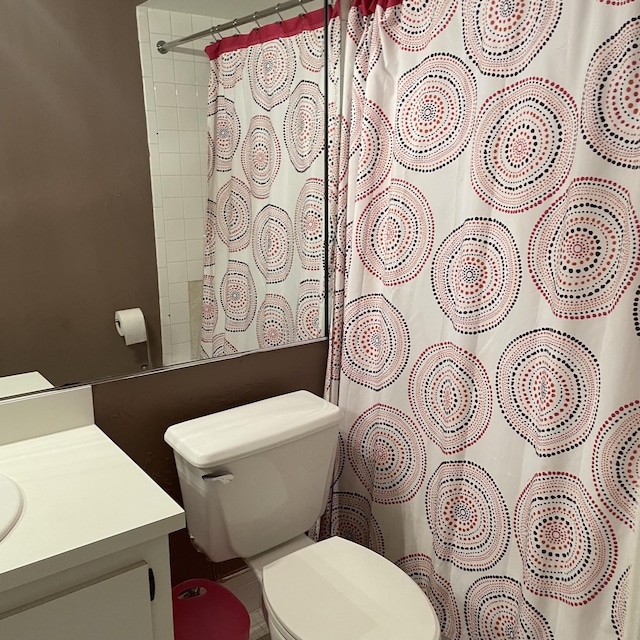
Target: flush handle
224,478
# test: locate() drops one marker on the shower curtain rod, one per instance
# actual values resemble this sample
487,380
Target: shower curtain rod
165,47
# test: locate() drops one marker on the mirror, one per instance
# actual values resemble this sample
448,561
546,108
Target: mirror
225,169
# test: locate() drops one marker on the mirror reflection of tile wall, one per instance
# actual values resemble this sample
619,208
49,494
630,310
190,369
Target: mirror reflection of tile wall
175,94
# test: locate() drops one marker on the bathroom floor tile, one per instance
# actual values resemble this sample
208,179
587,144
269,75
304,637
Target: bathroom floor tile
259,629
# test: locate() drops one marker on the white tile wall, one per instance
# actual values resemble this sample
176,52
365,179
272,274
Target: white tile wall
175,94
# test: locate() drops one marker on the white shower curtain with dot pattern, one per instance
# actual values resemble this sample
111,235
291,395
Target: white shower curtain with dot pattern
264,245
485,339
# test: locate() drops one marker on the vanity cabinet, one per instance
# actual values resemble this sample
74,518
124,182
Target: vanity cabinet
124,595
114,606
94,528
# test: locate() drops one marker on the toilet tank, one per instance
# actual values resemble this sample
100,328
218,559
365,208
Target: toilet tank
255,476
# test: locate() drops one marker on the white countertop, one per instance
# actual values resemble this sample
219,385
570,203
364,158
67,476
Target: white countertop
23,383
83,499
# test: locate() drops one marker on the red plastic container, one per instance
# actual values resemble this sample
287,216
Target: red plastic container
205,610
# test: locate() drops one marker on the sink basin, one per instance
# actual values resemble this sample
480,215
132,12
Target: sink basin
11,503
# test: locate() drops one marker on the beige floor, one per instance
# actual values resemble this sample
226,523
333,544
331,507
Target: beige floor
259,629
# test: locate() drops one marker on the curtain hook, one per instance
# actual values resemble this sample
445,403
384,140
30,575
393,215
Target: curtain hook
214,31
276,9
301,3
235,26
256,19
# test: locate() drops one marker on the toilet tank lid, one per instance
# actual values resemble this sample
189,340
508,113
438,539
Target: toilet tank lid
235,433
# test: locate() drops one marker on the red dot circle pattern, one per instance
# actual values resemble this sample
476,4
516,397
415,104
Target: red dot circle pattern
419,567
502,37
476,275
548,387
229,67
610,116
387,453
309,310
304,125
355,120
495,607
334,63
334,366
220,346
209,310
568,548
261,156
343,239
233,214
212,89
309,224
225,125
524,144
435,113
368,49
615,463
272,67
619,604
374,146
356,22
413,24
450,394
210,236
238,297
467,515
375,342
583,250
272,247
311,49
274,323
336,145
394,234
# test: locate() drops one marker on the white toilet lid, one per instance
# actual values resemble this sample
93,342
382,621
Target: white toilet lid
340,590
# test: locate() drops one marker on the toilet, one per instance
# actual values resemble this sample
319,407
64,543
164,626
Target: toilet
254,479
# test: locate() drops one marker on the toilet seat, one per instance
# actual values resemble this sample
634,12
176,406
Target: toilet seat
340,590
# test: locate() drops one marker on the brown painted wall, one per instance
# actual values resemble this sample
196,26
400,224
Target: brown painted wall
76,224
136,412
76,229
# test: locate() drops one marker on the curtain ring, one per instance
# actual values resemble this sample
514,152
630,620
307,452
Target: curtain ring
276,9
214,31
301,3
235,26
255,19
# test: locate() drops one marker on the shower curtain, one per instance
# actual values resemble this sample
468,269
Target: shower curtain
264,241
485,338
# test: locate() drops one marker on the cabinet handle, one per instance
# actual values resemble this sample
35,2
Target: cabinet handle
152,585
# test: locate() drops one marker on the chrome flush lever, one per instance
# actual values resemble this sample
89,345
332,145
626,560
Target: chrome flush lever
224,478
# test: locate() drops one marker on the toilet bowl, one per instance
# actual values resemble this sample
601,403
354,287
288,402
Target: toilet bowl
254,479
340,590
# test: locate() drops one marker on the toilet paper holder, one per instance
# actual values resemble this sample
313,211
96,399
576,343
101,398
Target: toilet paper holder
132,326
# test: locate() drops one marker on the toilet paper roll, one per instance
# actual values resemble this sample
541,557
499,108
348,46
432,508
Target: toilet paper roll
131,326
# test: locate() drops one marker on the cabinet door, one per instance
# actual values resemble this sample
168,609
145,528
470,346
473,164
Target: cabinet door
116,606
